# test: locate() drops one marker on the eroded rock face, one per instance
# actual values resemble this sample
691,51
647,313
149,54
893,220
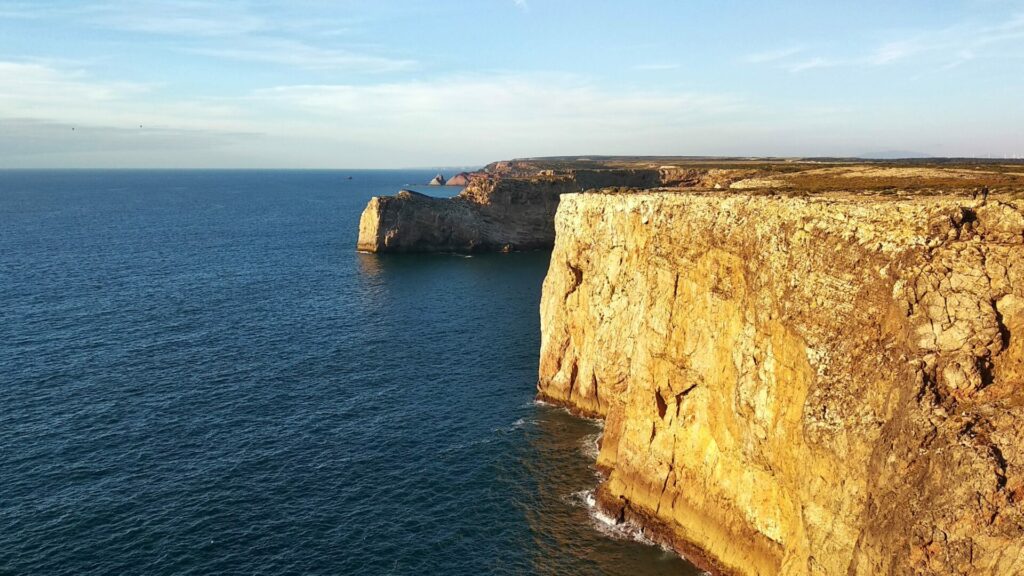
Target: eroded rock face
460,179
493,213
827,384
510,205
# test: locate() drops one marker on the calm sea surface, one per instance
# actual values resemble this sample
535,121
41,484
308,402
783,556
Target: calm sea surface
199,375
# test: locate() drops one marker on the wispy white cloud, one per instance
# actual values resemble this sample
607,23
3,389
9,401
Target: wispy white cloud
302,55
502,112
503,115
71,95
961,57
18,11
542,96
791,58
32,10
656,66
772,55
63,116
894,51
313,124
180,18
170,17
225,29
521,4
946,47
951,46
31,84
810,64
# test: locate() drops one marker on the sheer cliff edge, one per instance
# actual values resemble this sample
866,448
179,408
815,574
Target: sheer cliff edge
801,383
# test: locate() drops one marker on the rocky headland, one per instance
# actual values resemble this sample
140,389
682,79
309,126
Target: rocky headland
805,367
800,381
511,205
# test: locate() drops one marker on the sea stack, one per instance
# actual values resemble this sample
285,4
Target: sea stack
438,180
460,179
509,206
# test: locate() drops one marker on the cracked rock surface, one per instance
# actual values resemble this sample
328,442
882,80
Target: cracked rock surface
799,384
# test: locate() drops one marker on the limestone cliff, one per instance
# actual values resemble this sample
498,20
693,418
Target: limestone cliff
492,213
508,206
800,384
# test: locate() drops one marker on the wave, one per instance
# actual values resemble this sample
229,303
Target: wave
611,527
538,402
591,445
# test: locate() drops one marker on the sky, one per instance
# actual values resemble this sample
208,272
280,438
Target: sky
381,84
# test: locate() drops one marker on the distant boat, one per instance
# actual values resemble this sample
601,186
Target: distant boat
349,177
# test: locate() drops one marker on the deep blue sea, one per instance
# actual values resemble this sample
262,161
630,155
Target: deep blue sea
200,375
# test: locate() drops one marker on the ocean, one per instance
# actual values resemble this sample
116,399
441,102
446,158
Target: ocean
200,375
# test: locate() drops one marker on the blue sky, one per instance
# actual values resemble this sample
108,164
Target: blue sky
352,83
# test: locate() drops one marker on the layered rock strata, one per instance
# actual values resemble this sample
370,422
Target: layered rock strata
793,384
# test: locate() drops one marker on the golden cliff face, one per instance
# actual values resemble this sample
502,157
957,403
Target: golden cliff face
829,384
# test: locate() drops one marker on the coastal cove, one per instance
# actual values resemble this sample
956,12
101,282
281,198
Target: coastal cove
202,375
